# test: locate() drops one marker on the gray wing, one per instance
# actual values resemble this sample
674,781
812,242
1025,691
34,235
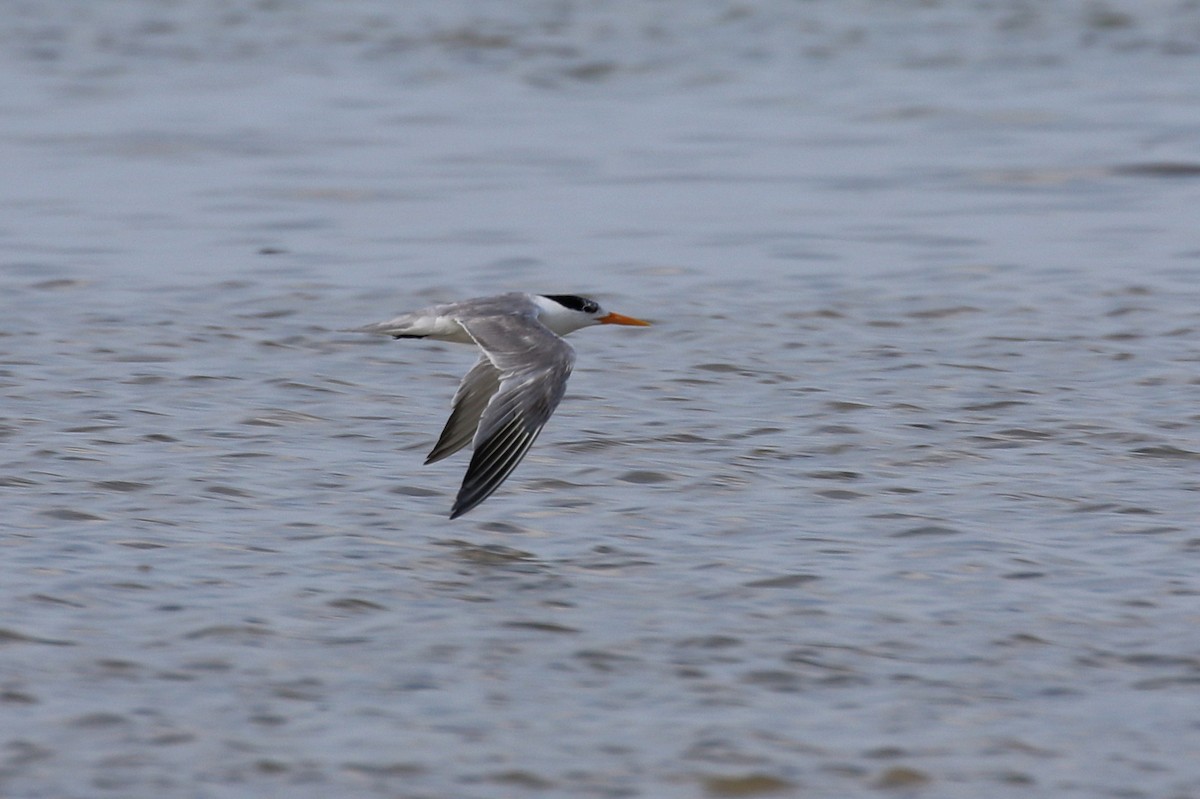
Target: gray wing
533,365
474,393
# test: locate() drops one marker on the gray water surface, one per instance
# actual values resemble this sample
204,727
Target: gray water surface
898,496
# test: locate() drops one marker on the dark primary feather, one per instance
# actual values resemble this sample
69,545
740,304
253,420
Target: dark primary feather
474,393
529,392
492,463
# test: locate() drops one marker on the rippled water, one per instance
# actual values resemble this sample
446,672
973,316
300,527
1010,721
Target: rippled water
898,495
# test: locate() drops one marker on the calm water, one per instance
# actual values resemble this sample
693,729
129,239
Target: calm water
898,497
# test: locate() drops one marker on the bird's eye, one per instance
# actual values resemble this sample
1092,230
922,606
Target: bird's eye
590,307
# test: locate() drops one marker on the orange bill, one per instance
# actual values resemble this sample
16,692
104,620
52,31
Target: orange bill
618,319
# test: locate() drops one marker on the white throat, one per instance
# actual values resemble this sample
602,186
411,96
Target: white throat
559,319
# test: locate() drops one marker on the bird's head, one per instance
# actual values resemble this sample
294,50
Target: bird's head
564,313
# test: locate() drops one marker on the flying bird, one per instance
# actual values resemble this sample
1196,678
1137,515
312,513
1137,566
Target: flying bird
508,395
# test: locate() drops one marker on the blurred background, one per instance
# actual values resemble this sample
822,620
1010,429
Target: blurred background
898,494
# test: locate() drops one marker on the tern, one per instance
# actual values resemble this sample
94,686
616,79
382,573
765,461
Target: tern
508,395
